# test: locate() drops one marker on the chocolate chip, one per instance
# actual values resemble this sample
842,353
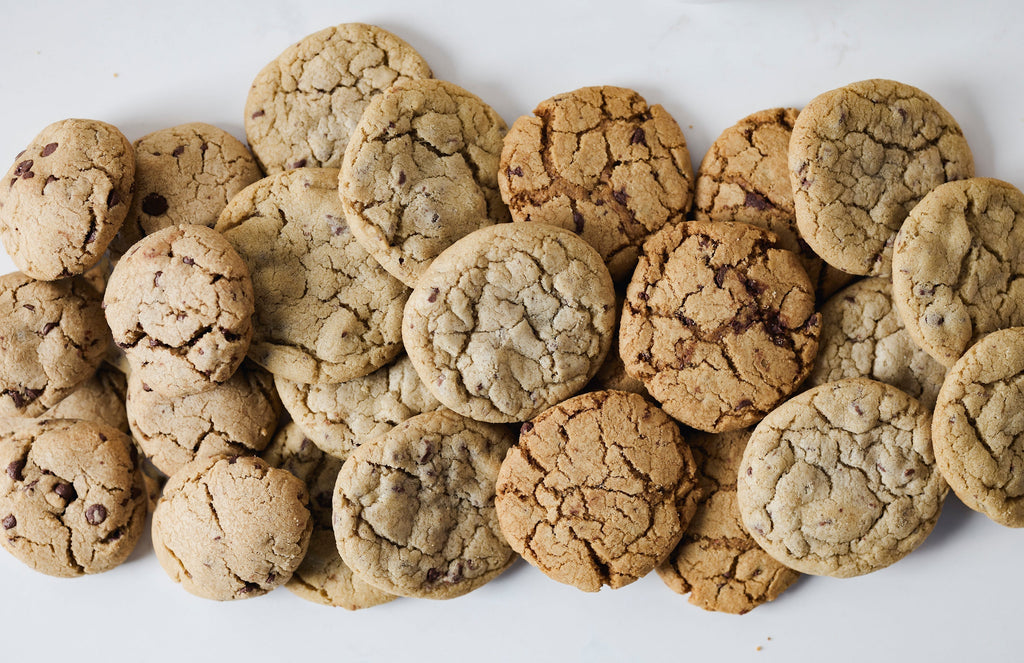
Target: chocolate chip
401,177
902,112
517,171
638,137
745,403
103,438
48,149
29,307
188,260
15,468
156,279
259,113
643,296
22,398
757,201
23,167
146,387
154,204
433,575
620,196
720,275
47,328
113,198
232,460
526,428
577,221
908,473
96,514
433,295
299,164
9,521
178,151
856,408
934,319
66,492
750,471
203,148
925,290
91,237
248,587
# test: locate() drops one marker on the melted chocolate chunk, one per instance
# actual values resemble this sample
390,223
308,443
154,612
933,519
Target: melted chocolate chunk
96,514
154,204
49,149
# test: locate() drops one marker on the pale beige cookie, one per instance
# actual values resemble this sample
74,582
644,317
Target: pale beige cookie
184,174
716,561
337,417
719,323
862,336
745,177
231,527
957,266
237,417
421,172
414,508
304,105
598,490
99,399
327,311
65,198
180,304
601,162
861,156
841,480
510,320
978,425
52,338
72,500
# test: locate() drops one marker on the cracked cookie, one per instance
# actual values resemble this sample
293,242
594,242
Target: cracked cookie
180,304
231,527
716,561
510,320
862,336
328,312
861,156
322,577
957,266
337,417
184,174
303,106
598,490
841,480
977,426
52,338
414,508
601,162
65,197
72,500
99,399
237,417
420,172
719,323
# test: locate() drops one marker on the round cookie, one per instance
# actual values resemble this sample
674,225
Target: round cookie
957,266
414,508
237,417
99,399
208,537
976,430
861,156
72,500
328,312
303,106
862,336
180,304
65,197
52,338
719,323
841,480
716,561
420,172
337,417
745,177
598,490
510,320
184,174
601,162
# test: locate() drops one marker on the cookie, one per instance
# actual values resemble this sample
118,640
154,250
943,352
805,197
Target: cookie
237,417
601,162
65,198
957,266
745,177
841,480
328,312
862,336
72,500
414,508
861,156
510,320
598,490
976,430
337,417
52,338
420,172
180,304
716,561
99,399
184,174
719,323
208,537
303,106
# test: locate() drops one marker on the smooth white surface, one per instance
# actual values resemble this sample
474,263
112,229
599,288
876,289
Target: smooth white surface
146,66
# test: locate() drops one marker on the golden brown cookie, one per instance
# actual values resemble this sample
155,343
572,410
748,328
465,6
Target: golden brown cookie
716,561
598,490
861,156
601,162
719,323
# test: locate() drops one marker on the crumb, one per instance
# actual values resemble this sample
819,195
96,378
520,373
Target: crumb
759,648
115,74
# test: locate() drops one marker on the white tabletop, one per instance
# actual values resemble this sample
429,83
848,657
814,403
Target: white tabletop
146,66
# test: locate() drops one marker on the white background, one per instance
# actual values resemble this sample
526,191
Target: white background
146,66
